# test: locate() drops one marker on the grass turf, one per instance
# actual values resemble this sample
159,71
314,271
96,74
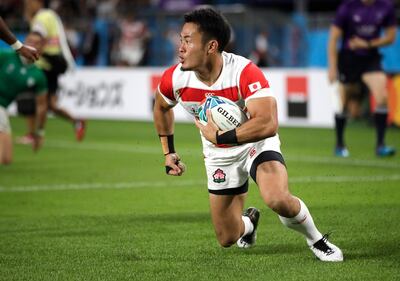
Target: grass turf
104,210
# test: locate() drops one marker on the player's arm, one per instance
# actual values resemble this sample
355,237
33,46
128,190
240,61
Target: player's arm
164,122
335,33
263,123
5,34
388,38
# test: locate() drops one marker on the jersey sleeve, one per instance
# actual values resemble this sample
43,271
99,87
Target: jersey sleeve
253,83
341,17
166,88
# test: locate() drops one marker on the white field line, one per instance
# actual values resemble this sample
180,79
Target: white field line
133,148
382,163
188,183
105,147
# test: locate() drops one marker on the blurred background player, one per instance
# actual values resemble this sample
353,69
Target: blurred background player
55,60
6,35
358,23
18,76
232,156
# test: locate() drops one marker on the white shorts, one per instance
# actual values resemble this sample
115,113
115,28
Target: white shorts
4,121
228,169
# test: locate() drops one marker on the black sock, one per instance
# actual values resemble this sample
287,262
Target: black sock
340,124
380,123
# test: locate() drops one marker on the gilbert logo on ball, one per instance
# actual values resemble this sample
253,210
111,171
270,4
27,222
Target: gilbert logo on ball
226,114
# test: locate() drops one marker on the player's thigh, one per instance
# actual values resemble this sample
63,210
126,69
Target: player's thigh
226,213
376,82
272,180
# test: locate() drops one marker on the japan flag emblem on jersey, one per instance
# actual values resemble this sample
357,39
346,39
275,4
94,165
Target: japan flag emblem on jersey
254,87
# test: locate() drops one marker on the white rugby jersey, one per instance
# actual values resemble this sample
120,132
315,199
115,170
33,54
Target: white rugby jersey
240,80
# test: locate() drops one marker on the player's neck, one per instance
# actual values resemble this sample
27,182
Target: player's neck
211,71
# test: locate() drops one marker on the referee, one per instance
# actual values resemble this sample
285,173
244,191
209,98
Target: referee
358,25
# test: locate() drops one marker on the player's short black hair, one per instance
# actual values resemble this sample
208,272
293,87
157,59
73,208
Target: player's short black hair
212,24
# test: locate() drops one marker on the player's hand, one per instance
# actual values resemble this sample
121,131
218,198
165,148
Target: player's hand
173,165
30,53
332,75
210,130
358,43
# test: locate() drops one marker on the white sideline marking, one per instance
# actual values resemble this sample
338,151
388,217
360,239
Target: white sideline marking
200,183
345,162
110,147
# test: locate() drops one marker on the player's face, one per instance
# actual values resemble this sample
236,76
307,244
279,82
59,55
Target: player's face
192,51
36,41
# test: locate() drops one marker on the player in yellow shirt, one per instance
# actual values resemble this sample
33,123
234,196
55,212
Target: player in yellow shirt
56,57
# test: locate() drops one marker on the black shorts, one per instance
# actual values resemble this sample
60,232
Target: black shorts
52,82
58,66
351,66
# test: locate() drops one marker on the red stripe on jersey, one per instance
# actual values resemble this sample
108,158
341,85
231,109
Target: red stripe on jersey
188,94
166,87
251,80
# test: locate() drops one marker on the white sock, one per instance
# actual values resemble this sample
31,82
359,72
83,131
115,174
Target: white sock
248,225
303,223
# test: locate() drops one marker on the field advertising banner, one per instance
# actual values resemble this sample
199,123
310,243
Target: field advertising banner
304,96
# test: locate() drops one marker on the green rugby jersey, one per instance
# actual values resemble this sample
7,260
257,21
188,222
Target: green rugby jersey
16,78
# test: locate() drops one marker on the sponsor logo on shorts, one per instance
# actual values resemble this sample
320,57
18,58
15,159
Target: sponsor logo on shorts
219,176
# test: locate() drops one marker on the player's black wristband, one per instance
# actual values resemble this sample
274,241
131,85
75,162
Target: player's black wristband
228,137
167,144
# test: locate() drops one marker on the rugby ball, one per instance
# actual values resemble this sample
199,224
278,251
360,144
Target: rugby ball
226,114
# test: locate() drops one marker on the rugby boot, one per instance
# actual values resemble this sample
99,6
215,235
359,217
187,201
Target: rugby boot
80,129
384,151
326,251
250,239
341,151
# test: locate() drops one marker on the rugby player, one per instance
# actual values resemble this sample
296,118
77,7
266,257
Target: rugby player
18,76
230,157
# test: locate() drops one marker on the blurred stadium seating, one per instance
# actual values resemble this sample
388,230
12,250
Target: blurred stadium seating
297,30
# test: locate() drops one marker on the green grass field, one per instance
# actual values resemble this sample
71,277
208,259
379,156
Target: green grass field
104,210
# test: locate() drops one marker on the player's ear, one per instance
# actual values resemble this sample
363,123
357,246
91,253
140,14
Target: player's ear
212,46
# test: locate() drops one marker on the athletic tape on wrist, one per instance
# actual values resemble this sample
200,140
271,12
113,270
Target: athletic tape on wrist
17,45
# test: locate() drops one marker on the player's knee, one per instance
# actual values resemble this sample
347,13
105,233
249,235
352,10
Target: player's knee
278,202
